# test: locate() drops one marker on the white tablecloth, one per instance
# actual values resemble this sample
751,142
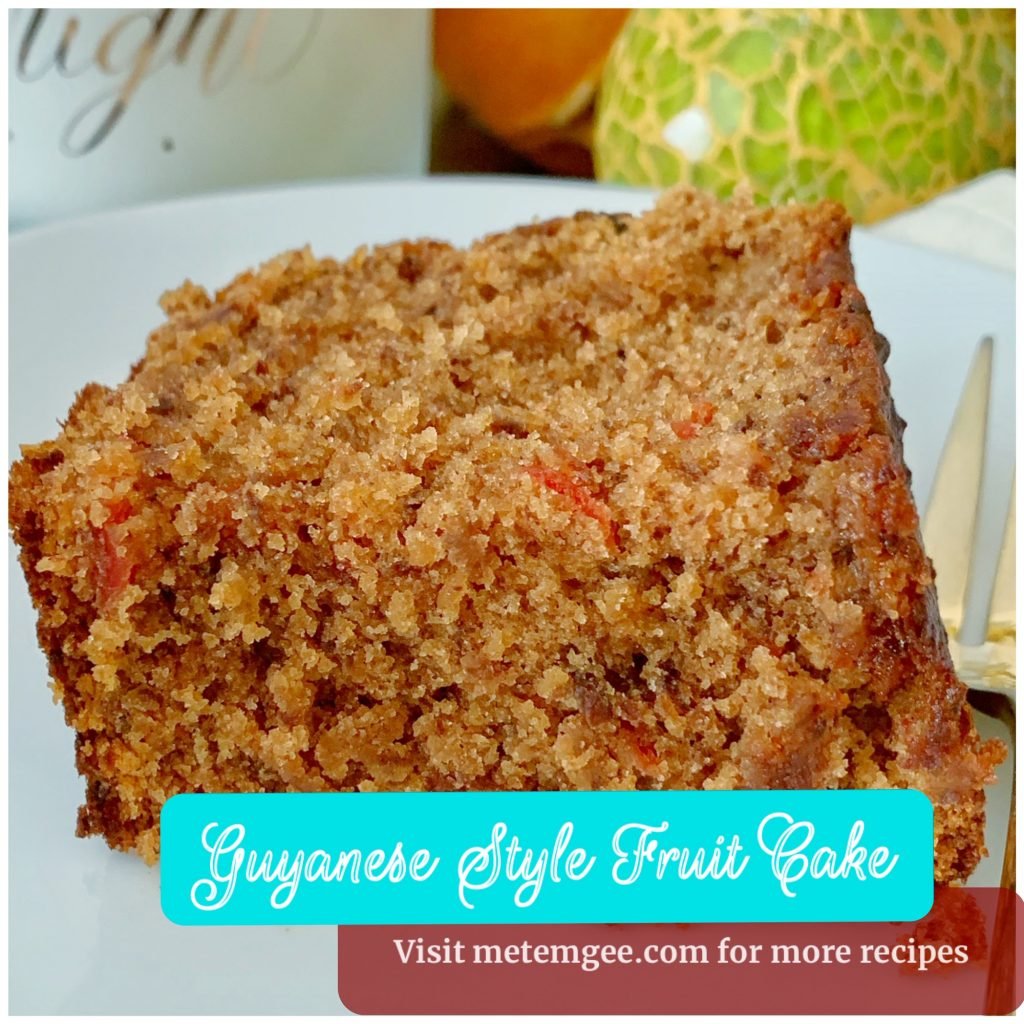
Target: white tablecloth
976,221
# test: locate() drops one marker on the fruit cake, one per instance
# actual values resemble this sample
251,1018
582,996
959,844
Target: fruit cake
605,502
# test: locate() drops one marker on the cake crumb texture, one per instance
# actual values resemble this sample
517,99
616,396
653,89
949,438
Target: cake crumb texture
599,503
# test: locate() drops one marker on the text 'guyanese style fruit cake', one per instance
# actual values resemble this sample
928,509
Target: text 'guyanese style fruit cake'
604,502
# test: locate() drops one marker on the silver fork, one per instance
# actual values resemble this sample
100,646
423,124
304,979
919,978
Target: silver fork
969,535
969,532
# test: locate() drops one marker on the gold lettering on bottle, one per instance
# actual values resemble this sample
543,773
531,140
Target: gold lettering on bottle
215,54
253,49
120,97
117,54
59,60
184,44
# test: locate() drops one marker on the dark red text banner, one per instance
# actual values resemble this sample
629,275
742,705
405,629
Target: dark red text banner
963,958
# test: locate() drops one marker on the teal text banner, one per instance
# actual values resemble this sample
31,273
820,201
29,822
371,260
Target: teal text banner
546,858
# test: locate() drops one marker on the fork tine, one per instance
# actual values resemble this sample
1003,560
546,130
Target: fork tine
951,517
994,502
1003,611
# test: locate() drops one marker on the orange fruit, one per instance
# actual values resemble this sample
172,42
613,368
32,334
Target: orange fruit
529,76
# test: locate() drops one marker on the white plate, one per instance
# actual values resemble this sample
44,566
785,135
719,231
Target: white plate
86,931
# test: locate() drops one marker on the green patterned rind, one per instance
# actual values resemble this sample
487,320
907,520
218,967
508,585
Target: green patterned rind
880,109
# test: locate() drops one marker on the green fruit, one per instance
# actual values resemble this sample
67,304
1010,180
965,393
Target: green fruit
880,109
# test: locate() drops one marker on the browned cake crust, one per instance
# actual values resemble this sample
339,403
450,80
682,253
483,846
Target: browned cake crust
598,503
